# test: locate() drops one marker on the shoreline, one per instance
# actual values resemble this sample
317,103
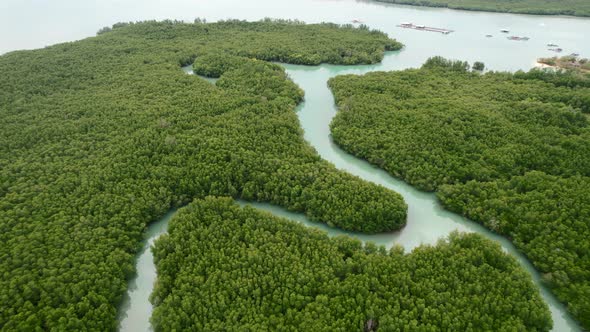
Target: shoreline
475,9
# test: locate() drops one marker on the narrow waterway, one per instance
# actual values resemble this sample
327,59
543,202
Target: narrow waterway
136,309
427,220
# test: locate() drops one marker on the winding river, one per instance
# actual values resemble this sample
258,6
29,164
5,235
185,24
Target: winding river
427,221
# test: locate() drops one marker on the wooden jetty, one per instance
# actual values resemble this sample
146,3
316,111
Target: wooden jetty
424,28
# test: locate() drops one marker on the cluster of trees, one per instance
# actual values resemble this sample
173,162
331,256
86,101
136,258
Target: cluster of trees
559,77
511,151
251,76
536,7
547,217
570,63
222,267
98,137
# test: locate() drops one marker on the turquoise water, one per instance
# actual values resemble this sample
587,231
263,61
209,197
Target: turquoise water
136,309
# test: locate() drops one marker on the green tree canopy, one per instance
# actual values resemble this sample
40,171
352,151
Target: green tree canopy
101,136
222,267
511,151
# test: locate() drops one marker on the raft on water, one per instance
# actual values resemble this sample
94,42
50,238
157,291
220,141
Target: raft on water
518,38
424,28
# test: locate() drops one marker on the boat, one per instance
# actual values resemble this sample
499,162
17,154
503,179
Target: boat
505,31
558,50
489,36
552,45
518,38
575,54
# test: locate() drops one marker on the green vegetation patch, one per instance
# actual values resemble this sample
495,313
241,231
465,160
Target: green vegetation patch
101,136
511,151
575,64
222,267
538,7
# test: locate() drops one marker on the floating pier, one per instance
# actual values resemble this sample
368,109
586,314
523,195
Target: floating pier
424,28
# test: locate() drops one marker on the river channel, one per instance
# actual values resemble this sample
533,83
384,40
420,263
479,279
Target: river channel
427,221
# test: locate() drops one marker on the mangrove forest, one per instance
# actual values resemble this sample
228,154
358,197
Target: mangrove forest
509,150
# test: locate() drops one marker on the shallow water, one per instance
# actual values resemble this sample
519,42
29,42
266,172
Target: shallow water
136,309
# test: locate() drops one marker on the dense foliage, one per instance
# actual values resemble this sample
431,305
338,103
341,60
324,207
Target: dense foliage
538,7
101,136
511,151
558,77
248,76
226,268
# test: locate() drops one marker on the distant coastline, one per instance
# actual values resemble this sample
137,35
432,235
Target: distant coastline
578,8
